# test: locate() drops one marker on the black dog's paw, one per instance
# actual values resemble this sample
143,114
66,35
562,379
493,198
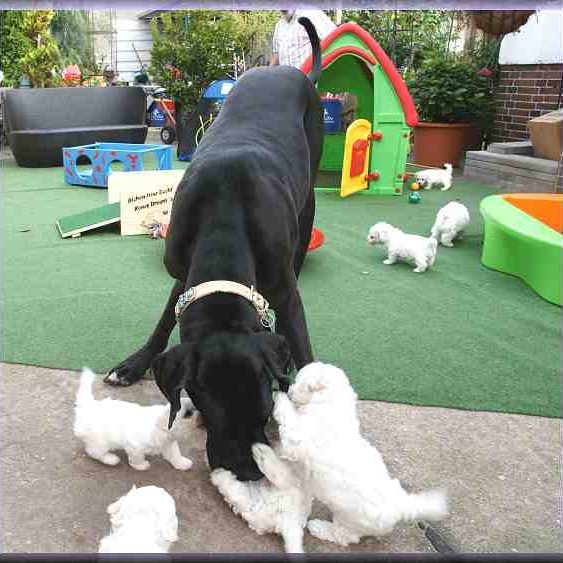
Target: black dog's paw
129,371
113,377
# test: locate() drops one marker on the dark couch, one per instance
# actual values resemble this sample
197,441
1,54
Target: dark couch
40,121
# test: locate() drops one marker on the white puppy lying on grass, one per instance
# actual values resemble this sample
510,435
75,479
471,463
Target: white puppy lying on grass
110,424
450,222
402,246
142,521
435,176
279,503
320,432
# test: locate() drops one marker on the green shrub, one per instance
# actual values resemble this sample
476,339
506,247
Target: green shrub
404,35
450,91
14,44
28,48
40,65
192,48
69,29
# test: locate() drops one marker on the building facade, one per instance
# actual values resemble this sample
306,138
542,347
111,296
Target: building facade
531,73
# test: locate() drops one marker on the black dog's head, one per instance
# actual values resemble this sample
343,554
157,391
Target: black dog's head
229,379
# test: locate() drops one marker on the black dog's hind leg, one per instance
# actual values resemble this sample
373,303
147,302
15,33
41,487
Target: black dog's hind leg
129,371
290,316
305,229
314,130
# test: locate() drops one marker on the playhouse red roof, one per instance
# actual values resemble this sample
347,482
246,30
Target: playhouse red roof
376,54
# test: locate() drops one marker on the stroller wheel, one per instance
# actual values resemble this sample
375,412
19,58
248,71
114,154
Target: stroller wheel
167,135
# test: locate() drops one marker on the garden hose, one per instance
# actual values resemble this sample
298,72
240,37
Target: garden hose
201,129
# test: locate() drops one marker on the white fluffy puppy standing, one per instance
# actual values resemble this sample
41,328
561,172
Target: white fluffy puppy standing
279,503
110,424
142,521
402,246
319,428
435,176
450,222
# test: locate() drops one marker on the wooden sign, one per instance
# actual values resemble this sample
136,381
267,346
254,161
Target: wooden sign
145,198
140,181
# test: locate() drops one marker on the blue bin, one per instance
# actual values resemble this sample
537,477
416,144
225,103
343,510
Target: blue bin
157,117
332,110
218,89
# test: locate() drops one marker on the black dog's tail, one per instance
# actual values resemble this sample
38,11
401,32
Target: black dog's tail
313,76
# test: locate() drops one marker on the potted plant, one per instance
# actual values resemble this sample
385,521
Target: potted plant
454,103
71,75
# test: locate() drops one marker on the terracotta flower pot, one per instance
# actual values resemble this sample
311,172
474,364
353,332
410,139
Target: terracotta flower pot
438,143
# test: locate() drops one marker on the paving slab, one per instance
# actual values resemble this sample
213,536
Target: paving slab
518,147
515,160
509,179
502,473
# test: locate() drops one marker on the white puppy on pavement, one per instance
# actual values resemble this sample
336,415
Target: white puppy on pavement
320,432
402,246
107,425
450,222
435,176
142,521
280,502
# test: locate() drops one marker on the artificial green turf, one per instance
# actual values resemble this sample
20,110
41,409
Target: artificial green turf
459,335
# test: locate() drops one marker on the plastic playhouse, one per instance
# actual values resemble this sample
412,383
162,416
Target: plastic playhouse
524,237
371,152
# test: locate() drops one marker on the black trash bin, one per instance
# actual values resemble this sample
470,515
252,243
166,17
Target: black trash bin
191,127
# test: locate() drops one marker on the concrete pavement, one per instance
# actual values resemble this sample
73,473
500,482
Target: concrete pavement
502,473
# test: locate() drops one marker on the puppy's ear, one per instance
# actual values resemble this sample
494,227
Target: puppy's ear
276,355
173,370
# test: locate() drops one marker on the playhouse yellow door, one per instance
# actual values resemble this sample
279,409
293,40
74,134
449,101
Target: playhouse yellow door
356,158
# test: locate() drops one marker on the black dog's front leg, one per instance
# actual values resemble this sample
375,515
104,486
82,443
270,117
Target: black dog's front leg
129,371
291,323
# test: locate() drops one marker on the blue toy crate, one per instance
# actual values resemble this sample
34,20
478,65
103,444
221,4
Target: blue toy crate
101,156
332,110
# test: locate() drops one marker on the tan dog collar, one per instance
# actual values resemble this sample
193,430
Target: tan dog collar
223,286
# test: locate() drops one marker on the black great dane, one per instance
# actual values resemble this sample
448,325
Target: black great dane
240,226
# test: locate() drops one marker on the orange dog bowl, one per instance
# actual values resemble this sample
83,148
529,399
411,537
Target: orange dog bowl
317,239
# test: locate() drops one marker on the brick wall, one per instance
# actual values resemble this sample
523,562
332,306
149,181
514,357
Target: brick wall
524,92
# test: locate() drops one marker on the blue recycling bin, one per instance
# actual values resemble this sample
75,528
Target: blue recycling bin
157,116
332,111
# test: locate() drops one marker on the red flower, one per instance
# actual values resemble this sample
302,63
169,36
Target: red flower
485,72
176,72
71,75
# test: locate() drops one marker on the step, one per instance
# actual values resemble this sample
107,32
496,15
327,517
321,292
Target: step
496,169
508,180
524,148
515,160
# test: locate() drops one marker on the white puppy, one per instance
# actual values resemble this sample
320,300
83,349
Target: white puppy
450,222
109,425
435,176
142,521
280,503
319,428
402,246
